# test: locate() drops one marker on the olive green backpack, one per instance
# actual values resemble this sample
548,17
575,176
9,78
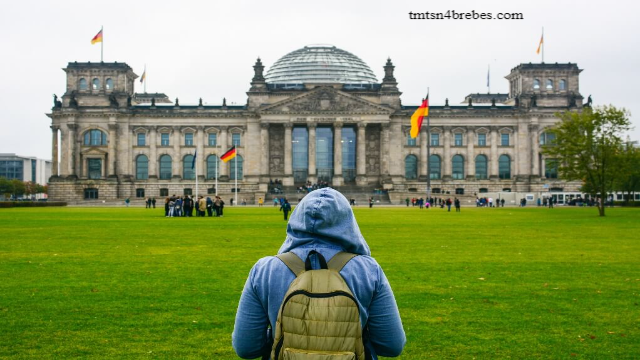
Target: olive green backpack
319,318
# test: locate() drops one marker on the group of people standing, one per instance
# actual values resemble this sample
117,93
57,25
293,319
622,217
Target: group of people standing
488,202
184,206
427,203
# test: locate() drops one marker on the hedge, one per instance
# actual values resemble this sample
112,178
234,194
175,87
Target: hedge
630,203
10,204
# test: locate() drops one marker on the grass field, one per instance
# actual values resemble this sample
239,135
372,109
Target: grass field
485,283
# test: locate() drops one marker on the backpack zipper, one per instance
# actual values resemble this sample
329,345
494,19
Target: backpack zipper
311,295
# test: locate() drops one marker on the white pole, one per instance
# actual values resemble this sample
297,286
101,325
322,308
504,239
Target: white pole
217,162
236,157
195,158
102,43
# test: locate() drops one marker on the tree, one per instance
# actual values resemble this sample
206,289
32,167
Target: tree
629,169
6,187
587,148
18,188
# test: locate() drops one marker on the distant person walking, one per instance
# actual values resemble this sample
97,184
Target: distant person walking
457,204
285,208
153,202
260,202
448,204
127,201
370,203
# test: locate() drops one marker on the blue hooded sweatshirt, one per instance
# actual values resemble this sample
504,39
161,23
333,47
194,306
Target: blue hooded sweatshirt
324,222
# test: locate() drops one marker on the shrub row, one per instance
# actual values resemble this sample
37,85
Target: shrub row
630,203
10,204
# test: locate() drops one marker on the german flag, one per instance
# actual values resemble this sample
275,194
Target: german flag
97,38
416,118
230,154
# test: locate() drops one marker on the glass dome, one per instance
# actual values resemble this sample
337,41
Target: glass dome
320,64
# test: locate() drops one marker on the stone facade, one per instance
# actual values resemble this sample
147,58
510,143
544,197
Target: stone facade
105,136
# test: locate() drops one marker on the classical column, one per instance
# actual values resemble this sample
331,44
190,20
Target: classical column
312,149
54,150
264,142
111,157
493,160
361,156
176,158
337,154
153,153
384,150
446,161
471,159
288,156
73,153
423,154
223,167
535,148
523,152
200,158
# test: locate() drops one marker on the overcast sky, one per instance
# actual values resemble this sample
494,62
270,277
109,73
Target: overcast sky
206,49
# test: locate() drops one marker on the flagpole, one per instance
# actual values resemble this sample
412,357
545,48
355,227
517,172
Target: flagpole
428,154
217,163
236,159
102,44
543,44
488,81
195,158
145,78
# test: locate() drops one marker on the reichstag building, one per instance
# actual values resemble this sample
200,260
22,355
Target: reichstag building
318,114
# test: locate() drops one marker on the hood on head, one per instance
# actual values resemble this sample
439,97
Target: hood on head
324,216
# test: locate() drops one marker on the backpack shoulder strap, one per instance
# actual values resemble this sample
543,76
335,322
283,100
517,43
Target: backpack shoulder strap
293,262
339,260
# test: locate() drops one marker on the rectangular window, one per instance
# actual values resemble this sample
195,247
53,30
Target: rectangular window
95,168
164,192
90,194
139,193
188,139
504,139
164,139
211,191
33,170
235,139
458,139
482,139
188,191
141,140
213,139
411,141
435,139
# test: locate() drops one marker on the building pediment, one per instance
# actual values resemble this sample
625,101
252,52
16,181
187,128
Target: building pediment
94,151
326,100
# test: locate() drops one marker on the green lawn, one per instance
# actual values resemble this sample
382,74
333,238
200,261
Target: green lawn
485,283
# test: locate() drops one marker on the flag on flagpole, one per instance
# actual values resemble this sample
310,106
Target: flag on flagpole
230,154
193,163
416,118
97,38
540,44
144,75
488,72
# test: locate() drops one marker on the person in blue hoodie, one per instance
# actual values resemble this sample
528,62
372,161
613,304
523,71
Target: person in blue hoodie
323,221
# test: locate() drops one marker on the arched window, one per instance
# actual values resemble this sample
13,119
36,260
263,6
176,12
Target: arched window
82,84
142,167
109,84
411,167
549,84
95,138
165,167
434,166
536,84
504,167
188,172
458,167
213,164
481,167
95,84
232,167
563,84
